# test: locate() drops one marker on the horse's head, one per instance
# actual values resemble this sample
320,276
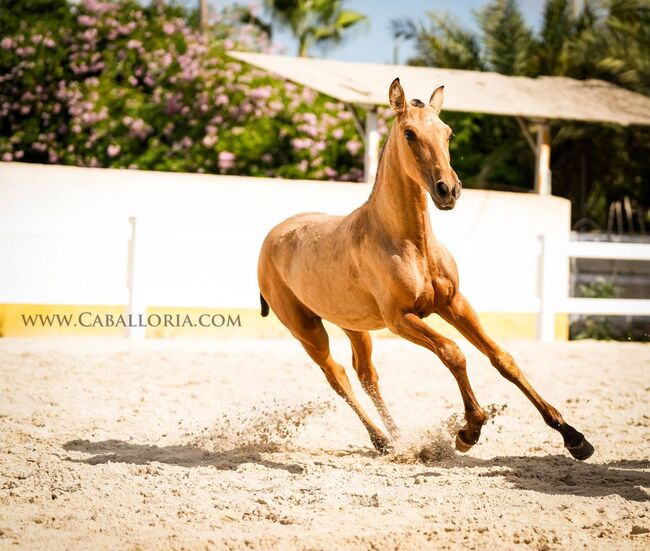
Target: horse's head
423,145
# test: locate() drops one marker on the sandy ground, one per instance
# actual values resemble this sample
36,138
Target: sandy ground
241,444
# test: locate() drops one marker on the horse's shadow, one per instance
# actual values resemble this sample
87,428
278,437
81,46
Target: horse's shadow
550,474
185,455
562,475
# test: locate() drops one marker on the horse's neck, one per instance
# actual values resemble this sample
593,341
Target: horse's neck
397,203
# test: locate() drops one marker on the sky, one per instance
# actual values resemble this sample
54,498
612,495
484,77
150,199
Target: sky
375,43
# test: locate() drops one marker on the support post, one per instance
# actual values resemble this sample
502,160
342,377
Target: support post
136,309
371,160
543,159
203,15
547,303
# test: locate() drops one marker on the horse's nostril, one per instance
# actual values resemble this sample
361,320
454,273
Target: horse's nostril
442,189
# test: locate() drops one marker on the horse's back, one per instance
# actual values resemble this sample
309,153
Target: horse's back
295,242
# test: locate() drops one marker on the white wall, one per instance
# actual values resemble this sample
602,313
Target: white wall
64,231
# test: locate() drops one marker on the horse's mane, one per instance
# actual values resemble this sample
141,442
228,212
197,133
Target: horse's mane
381,155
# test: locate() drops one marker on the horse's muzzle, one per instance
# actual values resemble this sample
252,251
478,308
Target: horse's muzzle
445,196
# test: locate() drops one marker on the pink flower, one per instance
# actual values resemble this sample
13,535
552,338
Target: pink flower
113,150
7,43
25,52
7,157
226,160
86,20
186,142
301,143
209,140
89,35
353,146
337,133
310,118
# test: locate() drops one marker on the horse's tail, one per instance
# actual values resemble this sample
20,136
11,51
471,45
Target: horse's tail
265,306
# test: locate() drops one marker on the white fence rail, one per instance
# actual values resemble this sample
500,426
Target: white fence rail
102,250
589,306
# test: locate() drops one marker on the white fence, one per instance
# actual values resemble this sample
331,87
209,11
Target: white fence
553,252
193,240
125,249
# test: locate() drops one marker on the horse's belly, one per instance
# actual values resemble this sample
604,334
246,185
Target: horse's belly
347,305
330,286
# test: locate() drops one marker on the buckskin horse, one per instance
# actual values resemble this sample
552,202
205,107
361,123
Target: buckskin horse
382,266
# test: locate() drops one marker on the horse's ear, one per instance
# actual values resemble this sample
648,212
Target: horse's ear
396,97
437,98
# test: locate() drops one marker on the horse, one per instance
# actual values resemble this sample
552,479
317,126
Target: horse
382,266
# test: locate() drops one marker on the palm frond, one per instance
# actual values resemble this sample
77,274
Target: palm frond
508,41
441,42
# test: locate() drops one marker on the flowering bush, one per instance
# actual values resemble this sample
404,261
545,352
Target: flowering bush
121,85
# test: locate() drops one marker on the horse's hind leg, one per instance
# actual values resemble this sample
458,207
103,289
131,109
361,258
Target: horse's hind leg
361,360
309,330
462,316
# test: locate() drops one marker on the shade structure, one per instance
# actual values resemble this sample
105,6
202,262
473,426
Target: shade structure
467,91
539,99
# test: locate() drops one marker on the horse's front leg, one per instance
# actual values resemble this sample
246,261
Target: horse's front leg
462,316
412,328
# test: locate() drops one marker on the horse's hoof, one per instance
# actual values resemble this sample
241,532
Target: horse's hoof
461,445
582,451
382,444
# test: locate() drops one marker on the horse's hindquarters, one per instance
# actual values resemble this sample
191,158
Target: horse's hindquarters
309,259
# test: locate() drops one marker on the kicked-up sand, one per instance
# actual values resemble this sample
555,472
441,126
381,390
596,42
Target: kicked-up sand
241,444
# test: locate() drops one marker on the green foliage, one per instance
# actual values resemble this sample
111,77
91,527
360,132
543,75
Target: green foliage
444,43
126,86
552,55
600,288
14,14
507,40
315,22
598,327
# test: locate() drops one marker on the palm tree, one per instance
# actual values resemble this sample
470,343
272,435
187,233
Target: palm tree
508,41
442,43
618,45
315,22
505,45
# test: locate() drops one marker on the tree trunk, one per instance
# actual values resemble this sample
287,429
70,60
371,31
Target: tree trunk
303,47
203,15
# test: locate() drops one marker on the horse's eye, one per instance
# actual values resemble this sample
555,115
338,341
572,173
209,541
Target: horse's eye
451,137
409,135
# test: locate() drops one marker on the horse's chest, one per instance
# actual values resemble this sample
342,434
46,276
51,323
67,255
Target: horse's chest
425,302
432,287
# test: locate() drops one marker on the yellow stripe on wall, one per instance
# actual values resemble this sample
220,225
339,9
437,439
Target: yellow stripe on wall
251,324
